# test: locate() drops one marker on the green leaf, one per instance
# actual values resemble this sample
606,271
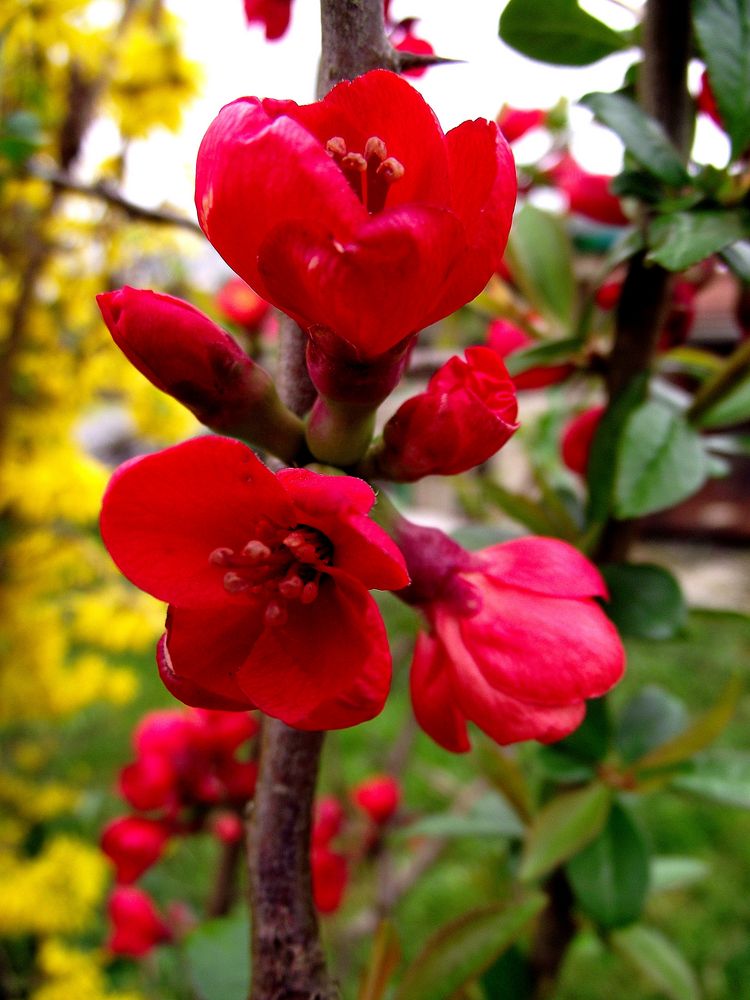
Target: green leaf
562,768
682,239
465,948
520,508
540,257
644,600
20,136
557,32
722,28
565,825
722,777
672,872
649,719
553,352
509,977
699,734
610,875
601,469
590,742
737,259
217,955
491,816
658,960
643,136
734,408
661,461
384,959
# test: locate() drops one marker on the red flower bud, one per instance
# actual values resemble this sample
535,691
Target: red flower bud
707,101
239,304
378,796
149,783
506,338
239,778
134,844
516,122
274,15
577,438
227,827
185,354
329,816
329,878
136,925
224,732
608,295
466,414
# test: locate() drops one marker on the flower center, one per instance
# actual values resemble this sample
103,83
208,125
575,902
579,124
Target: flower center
279,565
370,175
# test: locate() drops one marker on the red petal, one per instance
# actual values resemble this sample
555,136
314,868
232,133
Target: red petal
202,652
543,565
373,289
335,505
313,658
163,515
432,696
254,174
363,108
546,650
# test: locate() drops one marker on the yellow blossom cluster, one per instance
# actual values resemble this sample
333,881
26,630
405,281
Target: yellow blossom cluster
69,972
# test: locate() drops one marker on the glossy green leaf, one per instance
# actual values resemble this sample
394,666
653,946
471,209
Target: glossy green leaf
733,409
565,825
673,872
540,257
644,600
658,960
491,816
552,352
651,718
643,136
557,32
700,734
562,768
661,461
722,28
509,977
217,955
682,239
519,507
384,960
465,948
610,875
737,259
590,742
722,776
601,469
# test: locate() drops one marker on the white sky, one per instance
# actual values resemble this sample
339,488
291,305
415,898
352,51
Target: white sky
237,60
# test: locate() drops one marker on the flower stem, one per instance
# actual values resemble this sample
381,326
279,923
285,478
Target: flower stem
287,955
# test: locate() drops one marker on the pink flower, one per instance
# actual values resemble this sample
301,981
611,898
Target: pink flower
378,797
267,577
506,339
134,844
517,642
357,214
577,438
466,414
136,925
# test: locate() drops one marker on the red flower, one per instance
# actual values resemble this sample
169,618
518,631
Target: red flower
516,122
136,925
357,213
506,338
517,642
403,39
588,194
239,304
134,844
378,796
329,877
227,827
707,101
267,576
577,438
467,413
329,817
274,15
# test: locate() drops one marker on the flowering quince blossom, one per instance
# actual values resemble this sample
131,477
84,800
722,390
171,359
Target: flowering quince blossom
274,15
378,796
134,844
267,577
577,438
588,194
517,642
516,122
239,304
136,924
357,214
466,414
506,338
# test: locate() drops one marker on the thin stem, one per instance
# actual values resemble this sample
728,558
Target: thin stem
288,958
224,890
